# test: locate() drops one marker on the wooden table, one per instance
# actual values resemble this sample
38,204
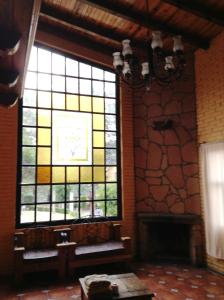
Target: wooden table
129,286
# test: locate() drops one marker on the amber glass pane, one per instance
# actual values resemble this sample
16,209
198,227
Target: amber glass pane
72,102
44,99
44,117
72,174
85,103
58,174
43,156
43,174
86,174
98,156
98,104
98,174
44,136
98,121
58,100
98,139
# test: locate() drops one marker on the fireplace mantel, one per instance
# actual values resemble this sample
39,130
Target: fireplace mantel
169,218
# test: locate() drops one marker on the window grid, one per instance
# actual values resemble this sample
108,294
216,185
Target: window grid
37,146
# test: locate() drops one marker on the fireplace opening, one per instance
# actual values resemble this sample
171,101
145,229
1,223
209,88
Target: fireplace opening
168,242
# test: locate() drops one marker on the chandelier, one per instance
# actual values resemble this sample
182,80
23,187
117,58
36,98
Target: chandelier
161,66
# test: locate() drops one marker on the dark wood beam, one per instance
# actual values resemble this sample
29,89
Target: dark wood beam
9,41
74,37
87,26
147,21
199,10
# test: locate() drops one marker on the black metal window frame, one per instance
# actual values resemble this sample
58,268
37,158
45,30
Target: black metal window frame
118,152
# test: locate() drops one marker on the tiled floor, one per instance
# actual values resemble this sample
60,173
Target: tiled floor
167,281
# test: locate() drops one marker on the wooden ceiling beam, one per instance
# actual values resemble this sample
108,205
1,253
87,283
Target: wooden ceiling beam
199,10
147,21
87,26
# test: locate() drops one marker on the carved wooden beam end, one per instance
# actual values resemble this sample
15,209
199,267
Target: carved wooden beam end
8,100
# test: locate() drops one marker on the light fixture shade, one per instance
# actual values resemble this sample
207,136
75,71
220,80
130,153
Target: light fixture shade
126,69
156,40
177,44
145,69
169,65
117,62
126,48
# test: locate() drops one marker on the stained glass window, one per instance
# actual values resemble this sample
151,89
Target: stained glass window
69,164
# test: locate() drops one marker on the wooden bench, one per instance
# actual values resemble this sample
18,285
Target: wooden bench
40,249
97,243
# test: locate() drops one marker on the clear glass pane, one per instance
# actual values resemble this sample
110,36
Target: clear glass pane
44,99
58,174
72,102
98,105
110,122
72,192
58,193
27,194
111,191
32,66
111,140
85,103
85,209
44,117
111,173
71,85
99,191
110,106
86,191
58,64
99,209
44,61
28,174
44,136
110,89
109,76
28,155
44,156
43,213
84,70
71,67
58,83
72,210
98,156
58,212
111,157
85,174
29,136
58,100
98,88
98,139
43,174
44,82
27,213
98,121
31,80
111,208
97,73
72,174
98,174
29,116
85,86
29,98
43,193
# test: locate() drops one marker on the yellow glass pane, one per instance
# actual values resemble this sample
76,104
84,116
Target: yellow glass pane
44,99
98,121
98,139
86,174
98,105
44,136
72,174
85,103
98,156
43,174
44,117
58,100
72,102
98,174
43,156
58,174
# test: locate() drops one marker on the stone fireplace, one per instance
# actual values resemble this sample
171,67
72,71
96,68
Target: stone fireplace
170,237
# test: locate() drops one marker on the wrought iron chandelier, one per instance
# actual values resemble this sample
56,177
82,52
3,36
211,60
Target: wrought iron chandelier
161,66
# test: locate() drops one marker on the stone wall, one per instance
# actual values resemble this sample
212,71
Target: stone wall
166,161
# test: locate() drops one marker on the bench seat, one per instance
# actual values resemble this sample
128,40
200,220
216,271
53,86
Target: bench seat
100,249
